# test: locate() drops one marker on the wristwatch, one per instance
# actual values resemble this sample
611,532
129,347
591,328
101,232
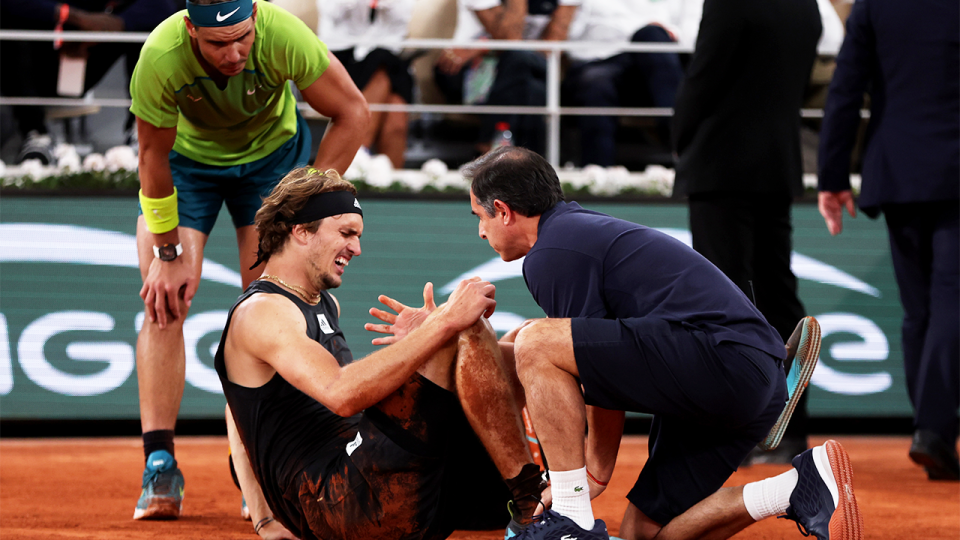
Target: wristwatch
167,252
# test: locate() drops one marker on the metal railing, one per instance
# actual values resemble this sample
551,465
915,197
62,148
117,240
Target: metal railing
551,110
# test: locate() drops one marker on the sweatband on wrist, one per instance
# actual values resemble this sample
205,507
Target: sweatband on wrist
222,14
160,214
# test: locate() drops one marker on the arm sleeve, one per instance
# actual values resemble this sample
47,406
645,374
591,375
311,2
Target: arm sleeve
567,284
297,51
152,99
841,116
717,42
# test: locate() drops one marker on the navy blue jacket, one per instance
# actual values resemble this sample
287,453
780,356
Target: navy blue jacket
906,55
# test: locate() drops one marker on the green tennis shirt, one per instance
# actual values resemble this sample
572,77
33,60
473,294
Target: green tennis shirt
254,115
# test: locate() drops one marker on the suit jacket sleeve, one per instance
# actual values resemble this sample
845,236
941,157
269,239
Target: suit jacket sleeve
856,67
702,89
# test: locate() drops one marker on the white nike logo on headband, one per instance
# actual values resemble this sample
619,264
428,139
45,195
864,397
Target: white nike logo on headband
221,18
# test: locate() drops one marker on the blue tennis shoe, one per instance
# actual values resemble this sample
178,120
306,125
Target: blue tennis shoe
823,504
162,493
552,526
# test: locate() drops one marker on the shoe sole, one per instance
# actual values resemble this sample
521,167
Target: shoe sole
160,508
847,522
804,345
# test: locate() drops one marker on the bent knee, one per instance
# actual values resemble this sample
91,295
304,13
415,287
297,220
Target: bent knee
543,342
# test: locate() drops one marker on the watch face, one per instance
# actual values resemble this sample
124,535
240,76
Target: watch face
168,252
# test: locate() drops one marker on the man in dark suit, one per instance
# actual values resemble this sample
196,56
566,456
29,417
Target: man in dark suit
736,132
905,55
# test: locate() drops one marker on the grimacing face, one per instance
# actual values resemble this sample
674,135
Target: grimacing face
336,241
226,48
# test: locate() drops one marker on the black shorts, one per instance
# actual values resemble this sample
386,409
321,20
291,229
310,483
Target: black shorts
712,403
413,469
401,80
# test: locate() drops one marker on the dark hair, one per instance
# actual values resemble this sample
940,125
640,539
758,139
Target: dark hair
286,199
522,179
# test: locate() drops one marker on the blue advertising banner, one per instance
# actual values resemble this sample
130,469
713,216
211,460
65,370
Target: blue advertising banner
70,310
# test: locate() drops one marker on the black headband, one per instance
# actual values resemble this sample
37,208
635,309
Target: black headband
317,207
321,205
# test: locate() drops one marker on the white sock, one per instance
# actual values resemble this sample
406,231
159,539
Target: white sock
571,496
770,497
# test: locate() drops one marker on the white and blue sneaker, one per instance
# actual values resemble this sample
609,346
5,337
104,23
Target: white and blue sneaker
552,526
823,504
162,494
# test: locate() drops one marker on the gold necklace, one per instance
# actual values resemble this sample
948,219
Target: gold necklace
312,298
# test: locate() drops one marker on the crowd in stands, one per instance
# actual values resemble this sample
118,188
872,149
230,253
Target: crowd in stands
593,77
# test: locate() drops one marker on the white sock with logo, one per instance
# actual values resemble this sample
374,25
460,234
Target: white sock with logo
770,497
571,496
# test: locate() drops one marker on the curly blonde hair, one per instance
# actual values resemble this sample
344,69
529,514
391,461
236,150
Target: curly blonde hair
286,199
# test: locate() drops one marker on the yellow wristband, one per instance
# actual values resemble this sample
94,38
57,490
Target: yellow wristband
160,214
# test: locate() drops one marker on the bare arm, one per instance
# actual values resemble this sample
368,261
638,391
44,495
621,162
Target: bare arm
559,25
163,280
505,21
269,333
334,95
252,494
605,430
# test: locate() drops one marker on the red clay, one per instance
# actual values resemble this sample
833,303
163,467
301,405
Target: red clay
87,488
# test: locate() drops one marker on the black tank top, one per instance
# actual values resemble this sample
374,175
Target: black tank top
287,432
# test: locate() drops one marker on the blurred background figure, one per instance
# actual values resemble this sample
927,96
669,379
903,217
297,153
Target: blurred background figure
33,68
736,131
905,56
606,78
381,73
472,76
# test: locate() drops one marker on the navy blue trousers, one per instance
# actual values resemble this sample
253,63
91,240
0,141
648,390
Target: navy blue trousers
925,246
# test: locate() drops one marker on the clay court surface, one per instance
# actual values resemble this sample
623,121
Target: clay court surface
86,488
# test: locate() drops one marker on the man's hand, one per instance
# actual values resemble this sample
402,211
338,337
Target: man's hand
405,321
162,289
451,61
472,299
831,204
275,531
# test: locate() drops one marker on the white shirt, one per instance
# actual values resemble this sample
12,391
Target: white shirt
615,21
470,28
346,23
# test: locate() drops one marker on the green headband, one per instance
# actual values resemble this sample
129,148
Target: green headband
222,14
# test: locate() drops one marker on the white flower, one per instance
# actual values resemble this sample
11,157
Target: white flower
380,171
94,163
120,157
63,149
659,179
434,168
69,163
32,168
358,168
3,169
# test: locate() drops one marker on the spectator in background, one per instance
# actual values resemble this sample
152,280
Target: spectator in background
382,75
736,131
606,78
470,76
31,68
906,57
